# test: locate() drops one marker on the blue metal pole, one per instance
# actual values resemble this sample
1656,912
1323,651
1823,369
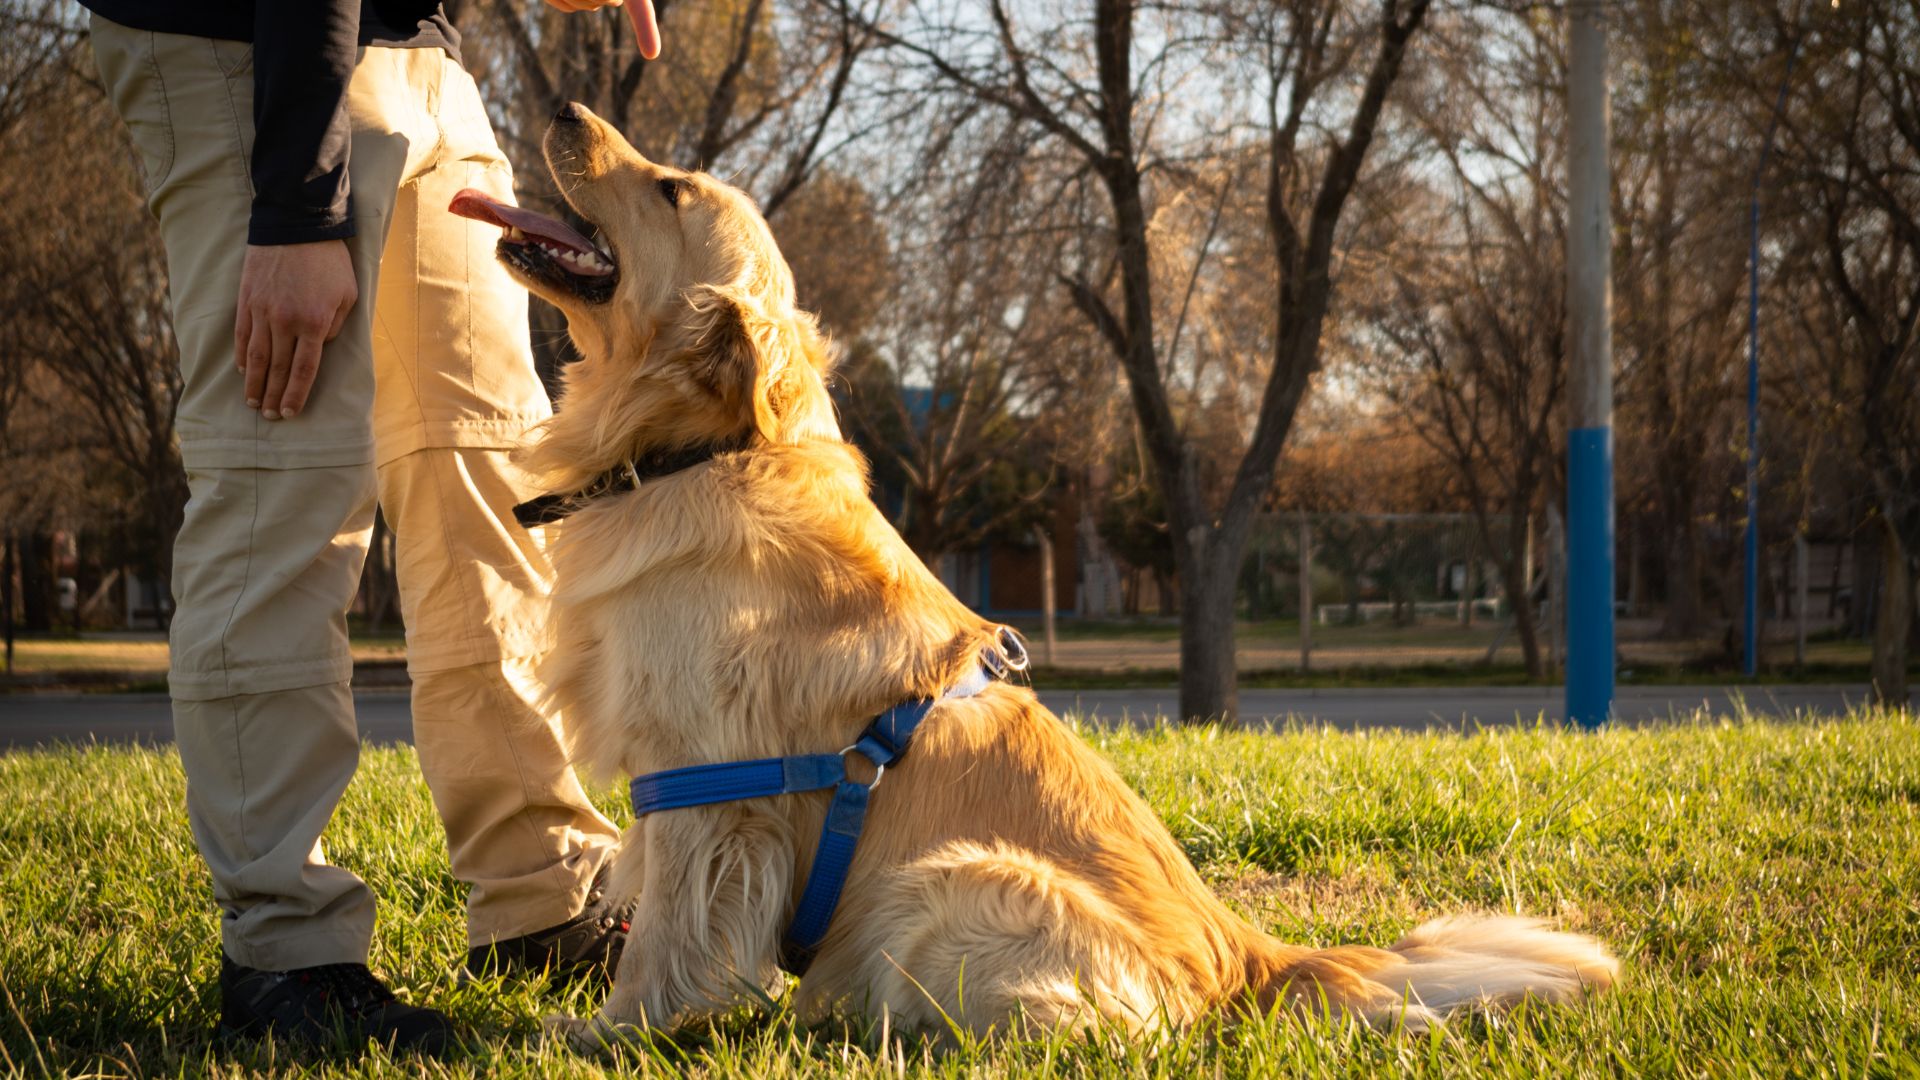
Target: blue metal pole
1590,577
1750,656
1590,541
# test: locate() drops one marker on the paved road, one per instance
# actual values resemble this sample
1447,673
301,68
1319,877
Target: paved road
37,719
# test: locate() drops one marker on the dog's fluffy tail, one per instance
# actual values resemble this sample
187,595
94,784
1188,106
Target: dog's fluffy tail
1460,962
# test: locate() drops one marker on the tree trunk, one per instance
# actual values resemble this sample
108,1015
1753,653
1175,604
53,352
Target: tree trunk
1683,582
1841,553
6,593
1470,584
1867,565
1556,588
167,499
1045,540
1306,595
36,582
1893,621
1523,617
1800,601
1209,677
1633,530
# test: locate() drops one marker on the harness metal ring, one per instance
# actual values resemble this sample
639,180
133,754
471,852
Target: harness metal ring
1012,650
879,770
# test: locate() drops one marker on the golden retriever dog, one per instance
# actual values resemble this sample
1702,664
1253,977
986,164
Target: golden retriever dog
727,590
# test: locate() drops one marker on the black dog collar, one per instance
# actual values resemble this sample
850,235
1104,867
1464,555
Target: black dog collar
621,479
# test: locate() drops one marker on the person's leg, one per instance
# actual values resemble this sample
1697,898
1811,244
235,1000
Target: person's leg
457,389
266,765
267,559
274,534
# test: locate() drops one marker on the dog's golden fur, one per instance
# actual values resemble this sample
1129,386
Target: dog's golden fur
759,605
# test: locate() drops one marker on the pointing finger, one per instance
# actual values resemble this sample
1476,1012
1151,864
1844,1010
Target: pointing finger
646,29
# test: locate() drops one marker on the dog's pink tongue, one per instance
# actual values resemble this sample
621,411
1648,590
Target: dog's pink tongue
480,206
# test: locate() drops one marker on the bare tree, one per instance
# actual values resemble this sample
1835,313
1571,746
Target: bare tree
956,390
750,89
747,86
1851,137
1474,353
1679,178
87,341
1319,69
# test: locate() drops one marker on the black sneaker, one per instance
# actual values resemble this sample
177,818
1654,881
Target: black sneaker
332,1004
588,944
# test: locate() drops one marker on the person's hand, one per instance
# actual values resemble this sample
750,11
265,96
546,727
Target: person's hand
646,28
293,299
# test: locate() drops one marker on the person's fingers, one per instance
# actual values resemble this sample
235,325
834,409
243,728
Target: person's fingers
300,375
242,330
259,355
646,28
284,339
340,318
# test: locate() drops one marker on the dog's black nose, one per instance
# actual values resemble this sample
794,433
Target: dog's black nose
571,113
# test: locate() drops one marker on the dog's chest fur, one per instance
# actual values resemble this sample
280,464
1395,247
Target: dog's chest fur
752,607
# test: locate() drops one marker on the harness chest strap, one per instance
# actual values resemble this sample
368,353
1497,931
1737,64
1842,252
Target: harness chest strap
883,742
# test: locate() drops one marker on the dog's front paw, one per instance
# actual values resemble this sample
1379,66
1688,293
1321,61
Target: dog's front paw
592,1035
576,1031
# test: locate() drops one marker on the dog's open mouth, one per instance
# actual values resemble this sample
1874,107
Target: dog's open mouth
544,249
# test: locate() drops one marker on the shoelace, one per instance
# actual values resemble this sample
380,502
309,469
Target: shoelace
351,987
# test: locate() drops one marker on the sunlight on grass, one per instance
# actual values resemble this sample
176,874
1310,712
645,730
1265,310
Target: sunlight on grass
1102,654
1760,880
143,655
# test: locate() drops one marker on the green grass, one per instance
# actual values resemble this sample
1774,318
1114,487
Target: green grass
1761,881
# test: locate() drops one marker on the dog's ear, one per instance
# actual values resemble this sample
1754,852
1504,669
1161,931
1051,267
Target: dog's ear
814,347
733,348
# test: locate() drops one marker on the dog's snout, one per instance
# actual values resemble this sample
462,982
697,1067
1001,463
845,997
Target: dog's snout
571,113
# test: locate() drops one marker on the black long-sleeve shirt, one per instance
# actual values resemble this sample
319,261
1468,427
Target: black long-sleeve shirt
303,58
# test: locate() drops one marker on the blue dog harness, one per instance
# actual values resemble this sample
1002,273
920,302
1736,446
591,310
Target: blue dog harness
882,743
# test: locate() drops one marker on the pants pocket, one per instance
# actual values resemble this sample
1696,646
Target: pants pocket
234,57
131,73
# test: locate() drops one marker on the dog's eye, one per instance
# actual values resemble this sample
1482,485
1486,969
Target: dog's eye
672,189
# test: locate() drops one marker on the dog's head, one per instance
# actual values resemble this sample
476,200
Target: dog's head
681,305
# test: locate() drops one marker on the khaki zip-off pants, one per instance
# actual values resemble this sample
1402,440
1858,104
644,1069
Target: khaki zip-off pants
417,403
